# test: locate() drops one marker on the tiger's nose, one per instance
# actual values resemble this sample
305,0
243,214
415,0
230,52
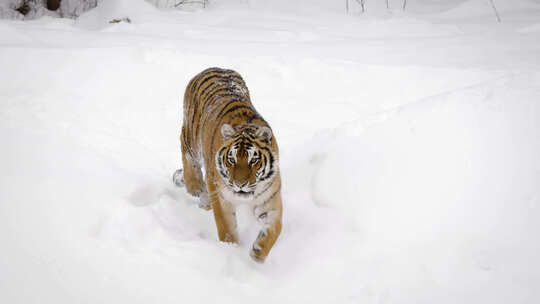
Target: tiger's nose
241,185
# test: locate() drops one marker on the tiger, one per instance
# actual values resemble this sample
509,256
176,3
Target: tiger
225,136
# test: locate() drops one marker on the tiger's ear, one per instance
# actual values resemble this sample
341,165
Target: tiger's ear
265,134
227,131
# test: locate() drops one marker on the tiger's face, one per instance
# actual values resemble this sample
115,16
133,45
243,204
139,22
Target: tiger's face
245,161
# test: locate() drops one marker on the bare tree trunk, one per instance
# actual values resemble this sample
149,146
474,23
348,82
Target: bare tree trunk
362,5
53,5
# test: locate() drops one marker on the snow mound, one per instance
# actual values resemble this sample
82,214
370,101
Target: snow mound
449,184
74,8
530,29
138,11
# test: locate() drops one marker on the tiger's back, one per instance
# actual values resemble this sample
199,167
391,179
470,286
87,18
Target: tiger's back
209,97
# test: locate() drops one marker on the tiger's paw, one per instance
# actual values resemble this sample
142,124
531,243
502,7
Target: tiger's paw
204,201
256,253
178,178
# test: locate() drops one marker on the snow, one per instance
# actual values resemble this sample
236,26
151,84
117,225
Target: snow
75,8
7,9
118,9
409,146
531,28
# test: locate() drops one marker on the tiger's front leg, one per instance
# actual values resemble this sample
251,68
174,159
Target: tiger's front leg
224,214
269,215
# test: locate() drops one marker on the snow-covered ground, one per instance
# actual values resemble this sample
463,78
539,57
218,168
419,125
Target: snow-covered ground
409,142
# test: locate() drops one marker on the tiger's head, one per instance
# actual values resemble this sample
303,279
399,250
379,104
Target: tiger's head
245,161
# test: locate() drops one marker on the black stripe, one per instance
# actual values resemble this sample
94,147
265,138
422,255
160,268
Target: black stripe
218,74
204,91
224,81
203,94
220,156
224,112
203,76
264,162
267,187
215,94
229,94
272,196
208,116
271,164
213,78
195,102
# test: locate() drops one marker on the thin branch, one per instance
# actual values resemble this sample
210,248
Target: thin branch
495,10
203,2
